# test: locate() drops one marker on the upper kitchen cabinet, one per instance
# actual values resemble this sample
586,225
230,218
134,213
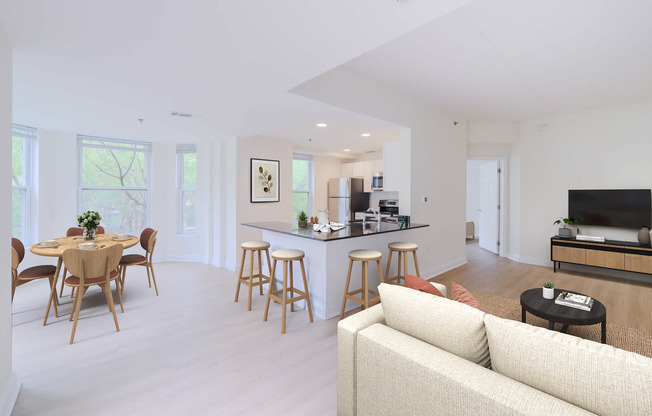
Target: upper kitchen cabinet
353,170
392,166
347,170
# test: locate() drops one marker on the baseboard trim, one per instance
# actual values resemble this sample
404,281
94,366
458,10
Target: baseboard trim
436,271
9,394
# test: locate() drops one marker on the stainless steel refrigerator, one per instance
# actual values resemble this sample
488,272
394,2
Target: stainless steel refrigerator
345,197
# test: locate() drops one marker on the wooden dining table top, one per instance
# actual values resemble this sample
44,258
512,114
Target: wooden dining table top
101,240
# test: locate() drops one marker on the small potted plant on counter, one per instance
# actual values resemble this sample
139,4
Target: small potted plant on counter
564,232
303,219
548,290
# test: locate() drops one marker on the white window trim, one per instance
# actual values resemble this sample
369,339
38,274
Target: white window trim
311,180
145,147
182,149
28,134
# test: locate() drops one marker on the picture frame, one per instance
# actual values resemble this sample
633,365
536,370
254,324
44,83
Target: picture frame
264,180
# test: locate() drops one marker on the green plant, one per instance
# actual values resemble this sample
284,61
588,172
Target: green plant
565,221
302,216
548,284
89,220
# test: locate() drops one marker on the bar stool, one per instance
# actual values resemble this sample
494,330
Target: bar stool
287,256
365,256
253,247
402,249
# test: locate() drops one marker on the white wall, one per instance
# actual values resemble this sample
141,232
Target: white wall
473,192
246,211
433,152
606,148
9,385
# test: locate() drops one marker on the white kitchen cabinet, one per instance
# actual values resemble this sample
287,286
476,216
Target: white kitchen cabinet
378,166
368,171
392,166
347,169
357,170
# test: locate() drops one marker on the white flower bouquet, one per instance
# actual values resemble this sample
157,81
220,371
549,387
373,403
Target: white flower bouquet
89,220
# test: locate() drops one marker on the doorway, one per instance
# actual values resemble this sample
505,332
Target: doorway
484,201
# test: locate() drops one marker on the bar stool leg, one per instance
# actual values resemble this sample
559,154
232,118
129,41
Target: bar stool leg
285,293
416,263
346,288
389,262
291,286
305,288
380,272
260,272
405,267
251,277
237,290
398,270
269,266
365,284
269,290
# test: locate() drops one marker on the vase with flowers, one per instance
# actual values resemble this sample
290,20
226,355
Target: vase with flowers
89,220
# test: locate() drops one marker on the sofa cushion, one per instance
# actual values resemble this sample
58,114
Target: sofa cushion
449,325
422,285
400,375
596,377
459,294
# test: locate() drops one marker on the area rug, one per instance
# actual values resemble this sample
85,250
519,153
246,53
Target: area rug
626,338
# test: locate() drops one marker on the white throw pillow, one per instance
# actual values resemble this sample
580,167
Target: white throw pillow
444,323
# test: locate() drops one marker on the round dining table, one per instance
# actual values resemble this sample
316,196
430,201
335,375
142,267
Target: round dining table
56,250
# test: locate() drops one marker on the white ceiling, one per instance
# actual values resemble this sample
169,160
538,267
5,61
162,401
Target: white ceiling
97,67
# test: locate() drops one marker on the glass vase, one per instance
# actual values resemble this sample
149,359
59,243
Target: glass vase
89,233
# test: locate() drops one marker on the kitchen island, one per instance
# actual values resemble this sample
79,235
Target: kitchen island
327,259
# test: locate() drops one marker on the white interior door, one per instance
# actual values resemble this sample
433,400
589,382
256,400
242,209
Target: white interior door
488,206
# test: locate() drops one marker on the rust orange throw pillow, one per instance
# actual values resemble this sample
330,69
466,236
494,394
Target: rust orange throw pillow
459,294
414,282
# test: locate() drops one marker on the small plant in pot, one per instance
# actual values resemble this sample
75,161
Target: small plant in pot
303,219
548,290
565,232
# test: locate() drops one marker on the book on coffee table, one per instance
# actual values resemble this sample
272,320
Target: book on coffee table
574,300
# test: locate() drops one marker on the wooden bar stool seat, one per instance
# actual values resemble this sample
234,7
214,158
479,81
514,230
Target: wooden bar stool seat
402,248
253,247
364,256
287,256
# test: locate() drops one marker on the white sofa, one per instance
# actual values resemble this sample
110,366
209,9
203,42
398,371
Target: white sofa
420,354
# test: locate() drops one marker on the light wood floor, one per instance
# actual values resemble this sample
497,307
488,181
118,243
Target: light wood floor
627,303
192,350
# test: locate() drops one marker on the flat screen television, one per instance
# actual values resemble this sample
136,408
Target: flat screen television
623,208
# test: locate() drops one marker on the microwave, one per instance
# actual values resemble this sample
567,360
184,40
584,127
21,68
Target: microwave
377,181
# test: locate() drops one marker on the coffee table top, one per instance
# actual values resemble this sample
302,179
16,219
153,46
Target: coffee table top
532,300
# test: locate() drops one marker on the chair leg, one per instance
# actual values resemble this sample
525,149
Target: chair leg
80,293
269,290
398,270
63,278
122,308
389,262
380,272
109,299
13,289
151,268
260,272
285,294
346,288
291,285
251,278
305,288
269,266
365,284
149,280
416,263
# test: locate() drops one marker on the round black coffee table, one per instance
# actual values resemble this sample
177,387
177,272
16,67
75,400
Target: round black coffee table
532,301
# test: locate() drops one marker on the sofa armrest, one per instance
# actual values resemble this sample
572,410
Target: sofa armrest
347,333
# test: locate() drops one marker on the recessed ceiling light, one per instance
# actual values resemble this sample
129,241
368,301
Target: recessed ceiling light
347,150
321,124
366,134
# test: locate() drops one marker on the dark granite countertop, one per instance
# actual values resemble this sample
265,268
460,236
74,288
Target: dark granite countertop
355,229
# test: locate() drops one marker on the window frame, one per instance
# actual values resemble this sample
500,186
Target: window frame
147,152
311,181
183,149
28,135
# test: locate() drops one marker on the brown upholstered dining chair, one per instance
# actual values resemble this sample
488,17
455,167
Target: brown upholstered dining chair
147,241
71,232
30,273
89,268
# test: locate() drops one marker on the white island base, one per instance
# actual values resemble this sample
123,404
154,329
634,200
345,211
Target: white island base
327,263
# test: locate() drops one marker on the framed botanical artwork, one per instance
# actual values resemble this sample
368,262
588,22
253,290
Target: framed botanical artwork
264,180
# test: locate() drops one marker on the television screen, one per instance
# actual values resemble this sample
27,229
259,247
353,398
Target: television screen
623,208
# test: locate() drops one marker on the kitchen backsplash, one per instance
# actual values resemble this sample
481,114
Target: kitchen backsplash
374,197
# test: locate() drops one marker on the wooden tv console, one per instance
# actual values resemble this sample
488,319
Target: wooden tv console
610,254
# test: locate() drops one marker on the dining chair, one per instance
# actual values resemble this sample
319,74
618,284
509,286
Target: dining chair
89,268
147,242
30,273
72,232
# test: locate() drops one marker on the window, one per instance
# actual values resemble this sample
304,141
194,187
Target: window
302,184
21,180
114,180
186,186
